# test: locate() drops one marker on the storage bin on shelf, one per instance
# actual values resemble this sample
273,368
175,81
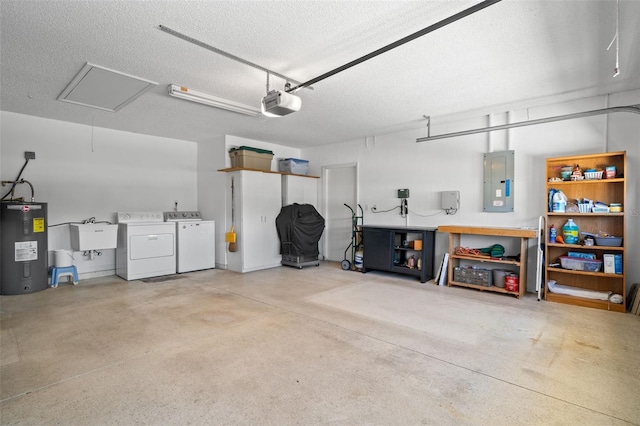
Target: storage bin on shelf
585,207
580,264
593,175
475,276
247,157
294,165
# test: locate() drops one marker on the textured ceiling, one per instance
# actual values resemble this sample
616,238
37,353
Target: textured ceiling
512,54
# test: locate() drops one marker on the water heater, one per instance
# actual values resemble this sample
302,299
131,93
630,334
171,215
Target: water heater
23,239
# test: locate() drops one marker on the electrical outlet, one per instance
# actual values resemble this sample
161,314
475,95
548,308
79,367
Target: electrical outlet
29,155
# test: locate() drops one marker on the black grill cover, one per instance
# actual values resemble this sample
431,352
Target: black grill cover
299,227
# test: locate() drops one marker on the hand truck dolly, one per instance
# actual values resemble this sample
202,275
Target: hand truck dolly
356,238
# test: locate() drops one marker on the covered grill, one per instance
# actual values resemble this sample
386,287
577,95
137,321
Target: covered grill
299,227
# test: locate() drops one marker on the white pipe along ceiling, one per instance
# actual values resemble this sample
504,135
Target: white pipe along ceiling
628,108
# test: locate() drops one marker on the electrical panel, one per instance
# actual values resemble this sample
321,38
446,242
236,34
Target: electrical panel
498,181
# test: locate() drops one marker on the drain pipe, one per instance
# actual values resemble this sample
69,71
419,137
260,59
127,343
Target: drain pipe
627,108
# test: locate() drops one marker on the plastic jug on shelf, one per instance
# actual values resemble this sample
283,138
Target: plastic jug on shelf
558,201
570,232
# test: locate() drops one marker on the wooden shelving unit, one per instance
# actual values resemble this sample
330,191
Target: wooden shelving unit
607,191
455,236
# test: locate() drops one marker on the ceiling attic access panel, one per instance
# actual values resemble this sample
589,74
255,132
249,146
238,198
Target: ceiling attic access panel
105,89
498,182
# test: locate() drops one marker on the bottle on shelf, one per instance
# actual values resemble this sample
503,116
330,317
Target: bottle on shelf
570,232
558,201
553,233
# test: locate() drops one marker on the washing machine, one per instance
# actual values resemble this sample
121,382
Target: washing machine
146,246
195,240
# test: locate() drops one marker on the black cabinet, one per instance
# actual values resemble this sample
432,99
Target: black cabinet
404,250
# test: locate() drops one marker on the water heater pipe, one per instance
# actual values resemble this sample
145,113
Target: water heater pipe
15,182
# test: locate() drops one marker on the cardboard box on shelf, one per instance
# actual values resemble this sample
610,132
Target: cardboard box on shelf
612,263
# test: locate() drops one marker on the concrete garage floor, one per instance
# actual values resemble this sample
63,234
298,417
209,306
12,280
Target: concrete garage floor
312,346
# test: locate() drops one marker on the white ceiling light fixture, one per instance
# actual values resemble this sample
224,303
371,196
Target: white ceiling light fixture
210,100
98,87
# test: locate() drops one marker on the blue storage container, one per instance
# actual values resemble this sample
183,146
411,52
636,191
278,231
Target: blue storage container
294,165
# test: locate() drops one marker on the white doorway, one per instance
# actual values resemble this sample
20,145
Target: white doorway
340,183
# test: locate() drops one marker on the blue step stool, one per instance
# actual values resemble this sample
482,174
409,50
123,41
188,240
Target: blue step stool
69,271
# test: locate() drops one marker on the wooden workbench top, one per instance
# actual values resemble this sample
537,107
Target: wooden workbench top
487,230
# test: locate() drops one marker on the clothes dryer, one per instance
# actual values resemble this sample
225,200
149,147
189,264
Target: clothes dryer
146,246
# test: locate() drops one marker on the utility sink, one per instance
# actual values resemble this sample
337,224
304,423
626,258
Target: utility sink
94,236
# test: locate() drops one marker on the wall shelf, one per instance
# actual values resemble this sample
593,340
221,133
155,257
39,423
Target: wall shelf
586,182
587,273
578,246
236,169
586,214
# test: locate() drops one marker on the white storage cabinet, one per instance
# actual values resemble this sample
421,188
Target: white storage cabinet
257,199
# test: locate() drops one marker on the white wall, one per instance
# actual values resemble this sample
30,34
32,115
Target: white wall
211,190
84,172
389,162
